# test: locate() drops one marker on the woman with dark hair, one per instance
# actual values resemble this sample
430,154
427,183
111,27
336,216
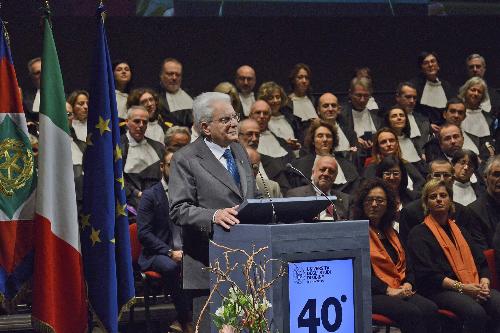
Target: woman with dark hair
450,269
283,122
300,100
393,172
149,99
123,76
385,143
432,93
393,292
79,102
465,163
321,140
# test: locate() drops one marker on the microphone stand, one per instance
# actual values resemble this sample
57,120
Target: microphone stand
297,171
274,219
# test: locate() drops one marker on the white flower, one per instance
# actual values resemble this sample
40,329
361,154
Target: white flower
219,311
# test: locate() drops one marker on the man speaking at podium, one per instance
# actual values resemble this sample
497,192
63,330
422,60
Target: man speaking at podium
209,178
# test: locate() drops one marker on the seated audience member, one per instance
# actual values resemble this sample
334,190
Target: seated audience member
357,116
385,143
321,140
149,99
324,172
79,102
249,137
141,156
266,187
245,80
283,123
486,209
175,104
366,72
177,137
123,77
228,89
450,268
449,140
300,100
455,114
393,281
329,111
406,98
478,122
31,96
397,120
465,164
412,213
162,242
393,172
77,150
432,92
476,67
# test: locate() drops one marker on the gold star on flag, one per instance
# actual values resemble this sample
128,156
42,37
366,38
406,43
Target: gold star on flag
120,209
118,153
94,236
103,125
85,221
113,241
121,181
89,140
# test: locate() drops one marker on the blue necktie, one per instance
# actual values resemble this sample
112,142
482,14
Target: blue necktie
231,166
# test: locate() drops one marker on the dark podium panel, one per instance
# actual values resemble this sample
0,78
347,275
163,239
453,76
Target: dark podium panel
328,273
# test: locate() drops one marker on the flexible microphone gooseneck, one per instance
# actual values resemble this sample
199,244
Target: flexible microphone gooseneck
274,219
297,171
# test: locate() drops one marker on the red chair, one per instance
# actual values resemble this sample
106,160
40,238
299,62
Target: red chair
146,277
381,320
490,258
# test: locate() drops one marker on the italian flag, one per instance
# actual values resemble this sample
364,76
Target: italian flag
59,303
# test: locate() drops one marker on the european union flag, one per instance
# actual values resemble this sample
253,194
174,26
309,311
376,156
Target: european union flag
105,235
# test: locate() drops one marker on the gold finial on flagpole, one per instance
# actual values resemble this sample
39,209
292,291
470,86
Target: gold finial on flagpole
103,10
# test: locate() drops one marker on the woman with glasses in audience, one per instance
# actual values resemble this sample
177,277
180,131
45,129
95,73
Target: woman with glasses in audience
393,172
393,285
149,99
450,269
283,122
123,76
321,139
397,120
465,163
385,143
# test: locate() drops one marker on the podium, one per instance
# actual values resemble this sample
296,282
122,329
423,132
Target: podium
328,283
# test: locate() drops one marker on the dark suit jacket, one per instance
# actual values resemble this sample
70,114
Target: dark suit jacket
179,117
306,163
275,170
199,185
413,214
485,219
424,127
342,204
435,115
157,233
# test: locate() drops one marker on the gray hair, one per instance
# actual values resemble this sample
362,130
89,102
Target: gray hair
203,107
363,82
472,82
135,107
32,61
331,157
489,163
174,130
476,56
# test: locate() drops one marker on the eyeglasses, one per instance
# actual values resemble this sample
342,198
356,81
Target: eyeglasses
227,120
391,173
444,175
378,200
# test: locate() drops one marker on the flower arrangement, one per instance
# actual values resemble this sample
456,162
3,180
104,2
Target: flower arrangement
243,308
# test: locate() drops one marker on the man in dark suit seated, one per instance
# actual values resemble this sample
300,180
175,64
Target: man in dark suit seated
486,209
449,140
413,213
324,173
209,179
162,243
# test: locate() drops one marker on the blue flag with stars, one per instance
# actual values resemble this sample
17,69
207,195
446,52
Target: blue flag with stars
104,223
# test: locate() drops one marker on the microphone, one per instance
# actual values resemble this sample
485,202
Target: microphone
275,216
290,167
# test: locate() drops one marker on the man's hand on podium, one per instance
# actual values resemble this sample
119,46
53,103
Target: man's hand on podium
226,217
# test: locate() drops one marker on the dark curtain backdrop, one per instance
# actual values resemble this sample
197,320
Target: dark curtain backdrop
211,48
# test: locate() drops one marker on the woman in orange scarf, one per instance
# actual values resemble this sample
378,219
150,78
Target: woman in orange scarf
393,291
450,269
